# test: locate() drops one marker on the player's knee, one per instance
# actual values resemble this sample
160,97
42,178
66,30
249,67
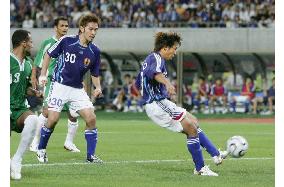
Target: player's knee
52,120
191,130
192,119
189,127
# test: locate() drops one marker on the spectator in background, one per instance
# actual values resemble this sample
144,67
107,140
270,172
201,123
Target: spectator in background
149,13
219,95
247,95
187,95
271,98
28,22
202,96
121,101
76,14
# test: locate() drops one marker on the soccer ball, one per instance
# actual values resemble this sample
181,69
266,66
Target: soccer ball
237,146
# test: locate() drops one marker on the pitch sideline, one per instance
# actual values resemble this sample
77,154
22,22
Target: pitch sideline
136,162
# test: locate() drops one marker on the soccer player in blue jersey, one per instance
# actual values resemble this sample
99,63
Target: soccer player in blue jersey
156,90
76,55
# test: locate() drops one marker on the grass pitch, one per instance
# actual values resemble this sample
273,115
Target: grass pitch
139,153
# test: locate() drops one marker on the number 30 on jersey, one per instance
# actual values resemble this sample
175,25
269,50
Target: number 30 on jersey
70,57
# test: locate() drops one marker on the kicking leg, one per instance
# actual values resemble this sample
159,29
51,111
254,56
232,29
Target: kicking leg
206,143
30,122
193,145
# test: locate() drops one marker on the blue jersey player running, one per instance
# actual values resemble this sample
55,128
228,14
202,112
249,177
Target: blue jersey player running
156,90
75,56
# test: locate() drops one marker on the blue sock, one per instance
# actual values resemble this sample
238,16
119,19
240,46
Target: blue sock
91,138
207,144
193,147
128,103
233,105
45,134
195,103
206,103
246,106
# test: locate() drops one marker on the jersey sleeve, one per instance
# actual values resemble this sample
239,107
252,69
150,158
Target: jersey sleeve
56,49
39,56
155,66
95,68
138,81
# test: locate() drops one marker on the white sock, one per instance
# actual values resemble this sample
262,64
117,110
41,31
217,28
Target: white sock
42,121
27,135
72,129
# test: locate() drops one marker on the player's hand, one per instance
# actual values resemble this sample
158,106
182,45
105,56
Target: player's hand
171,89
34,82
42,80
173,98
97,93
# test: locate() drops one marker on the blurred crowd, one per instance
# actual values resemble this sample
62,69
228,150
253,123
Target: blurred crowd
146,13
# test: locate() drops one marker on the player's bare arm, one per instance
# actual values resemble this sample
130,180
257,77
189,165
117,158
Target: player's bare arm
162,79
98,90
33,78
42,78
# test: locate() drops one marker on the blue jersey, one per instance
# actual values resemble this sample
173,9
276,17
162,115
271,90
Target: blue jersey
74,60
152,90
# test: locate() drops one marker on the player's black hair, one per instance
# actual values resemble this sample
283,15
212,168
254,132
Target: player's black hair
166,39
61,18
84,20
19,36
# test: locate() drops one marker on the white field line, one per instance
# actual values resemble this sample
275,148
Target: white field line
135,162
151,132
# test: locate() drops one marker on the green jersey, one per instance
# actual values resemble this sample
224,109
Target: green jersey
46,44
19,80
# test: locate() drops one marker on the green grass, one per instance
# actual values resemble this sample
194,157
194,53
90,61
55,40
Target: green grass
133,137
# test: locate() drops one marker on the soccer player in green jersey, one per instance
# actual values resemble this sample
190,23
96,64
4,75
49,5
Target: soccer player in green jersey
22,120
61,28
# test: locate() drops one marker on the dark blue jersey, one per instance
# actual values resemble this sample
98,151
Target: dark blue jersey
152,90
74,60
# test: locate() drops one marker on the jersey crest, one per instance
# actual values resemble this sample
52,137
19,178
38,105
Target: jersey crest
87,61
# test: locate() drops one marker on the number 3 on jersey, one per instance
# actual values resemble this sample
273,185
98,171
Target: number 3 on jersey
15,79
70,57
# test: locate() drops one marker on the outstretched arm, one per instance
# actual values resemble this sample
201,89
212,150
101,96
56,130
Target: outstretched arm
162,79
42,79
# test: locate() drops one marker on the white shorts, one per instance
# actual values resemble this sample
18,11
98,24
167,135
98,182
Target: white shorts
166,114
76,98
203,99
242,98
219,99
